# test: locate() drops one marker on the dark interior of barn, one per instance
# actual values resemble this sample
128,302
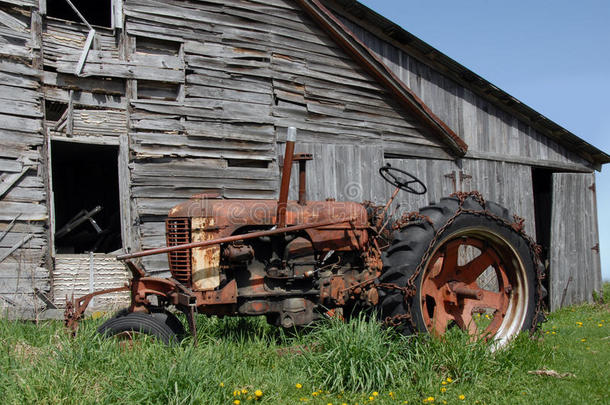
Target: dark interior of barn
86,197
95,12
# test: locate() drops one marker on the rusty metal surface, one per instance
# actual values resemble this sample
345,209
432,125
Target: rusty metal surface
285,182
302,158
75,308
339,227
205,260
453,293
178,232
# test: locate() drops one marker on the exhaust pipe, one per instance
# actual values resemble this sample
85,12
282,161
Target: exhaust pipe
291,137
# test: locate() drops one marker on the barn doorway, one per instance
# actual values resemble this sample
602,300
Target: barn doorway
542,182
85,197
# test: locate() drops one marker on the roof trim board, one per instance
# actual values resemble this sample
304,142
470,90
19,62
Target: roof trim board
375,66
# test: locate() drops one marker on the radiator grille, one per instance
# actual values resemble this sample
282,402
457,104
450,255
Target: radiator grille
178,231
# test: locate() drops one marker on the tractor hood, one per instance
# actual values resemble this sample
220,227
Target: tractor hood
238,213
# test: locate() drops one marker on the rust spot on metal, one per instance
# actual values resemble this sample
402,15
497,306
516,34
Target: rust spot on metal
205,260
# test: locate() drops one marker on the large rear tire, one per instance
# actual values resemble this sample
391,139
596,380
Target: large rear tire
162,325
479,274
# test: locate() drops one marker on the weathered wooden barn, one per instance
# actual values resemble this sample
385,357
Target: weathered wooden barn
112,114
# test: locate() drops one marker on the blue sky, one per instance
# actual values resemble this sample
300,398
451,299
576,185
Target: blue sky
553,55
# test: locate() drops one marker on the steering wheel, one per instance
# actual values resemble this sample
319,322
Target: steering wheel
394,176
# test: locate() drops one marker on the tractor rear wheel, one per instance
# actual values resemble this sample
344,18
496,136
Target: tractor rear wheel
478,274
162,325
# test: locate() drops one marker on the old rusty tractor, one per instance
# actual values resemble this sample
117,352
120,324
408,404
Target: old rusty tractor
460,262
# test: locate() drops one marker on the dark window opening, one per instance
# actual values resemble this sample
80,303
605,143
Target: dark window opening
153,90
54,110
157,46
97,12
542,180
86,197
260,164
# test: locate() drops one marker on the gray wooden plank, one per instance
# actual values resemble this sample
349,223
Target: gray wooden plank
574,266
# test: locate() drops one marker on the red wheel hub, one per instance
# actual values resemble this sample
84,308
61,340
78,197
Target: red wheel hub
450,290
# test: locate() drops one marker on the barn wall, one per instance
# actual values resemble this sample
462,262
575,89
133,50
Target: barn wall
198,96
490,132
23,210
248,71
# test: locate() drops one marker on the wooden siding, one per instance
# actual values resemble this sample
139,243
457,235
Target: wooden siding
490,132
23,211
198,96
350,173
251,69
78,274
575,269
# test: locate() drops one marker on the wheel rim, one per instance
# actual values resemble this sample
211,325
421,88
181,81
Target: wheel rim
475,279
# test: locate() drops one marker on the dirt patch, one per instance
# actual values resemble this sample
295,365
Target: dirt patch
26,352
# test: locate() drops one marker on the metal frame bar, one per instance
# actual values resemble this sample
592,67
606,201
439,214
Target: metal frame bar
232,238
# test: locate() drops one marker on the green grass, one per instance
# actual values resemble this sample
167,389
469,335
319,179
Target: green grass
334,362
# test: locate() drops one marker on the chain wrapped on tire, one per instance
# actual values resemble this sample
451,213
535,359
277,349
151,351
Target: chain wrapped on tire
472,204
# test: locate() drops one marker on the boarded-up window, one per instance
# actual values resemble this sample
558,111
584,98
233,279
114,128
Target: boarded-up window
153,90
155,46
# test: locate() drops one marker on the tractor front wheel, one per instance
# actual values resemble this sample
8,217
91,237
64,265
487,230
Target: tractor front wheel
477,274
162,325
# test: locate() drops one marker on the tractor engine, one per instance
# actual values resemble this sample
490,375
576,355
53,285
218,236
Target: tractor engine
291,278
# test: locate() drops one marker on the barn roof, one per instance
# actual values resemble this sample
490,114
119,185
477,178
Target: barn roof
445,65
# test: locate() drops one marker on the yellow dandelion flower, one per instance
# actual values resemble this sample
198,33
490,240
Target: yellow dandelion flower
391,394
236,402
375,393
371,398
449,379
258,393
600,324
444,402
405,402
443,389
445,382
236,393
222,384
329,403
298,385
461,397
553,333
583,340
244,391
315,394
579,324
